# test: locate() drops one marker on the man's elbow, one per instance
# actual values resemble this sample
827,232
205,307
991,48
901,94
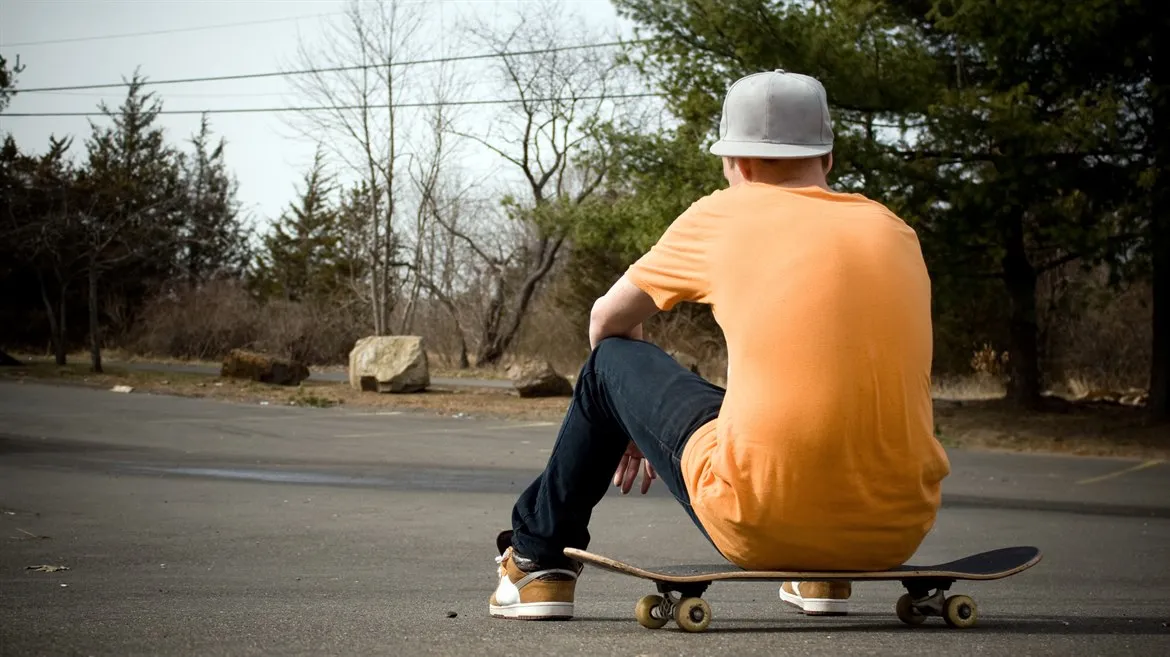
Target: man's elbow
599,320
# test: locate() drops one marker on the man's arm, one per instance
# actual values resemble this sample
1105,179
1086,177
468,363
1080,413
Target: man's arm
620,312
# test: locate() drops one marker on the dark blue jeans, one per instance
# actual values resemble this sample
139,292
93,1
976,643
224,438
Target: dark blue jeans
628,390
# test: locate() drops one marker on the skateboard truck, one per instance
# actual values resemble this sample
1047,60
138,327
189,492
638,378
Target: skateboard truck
681,603
927,597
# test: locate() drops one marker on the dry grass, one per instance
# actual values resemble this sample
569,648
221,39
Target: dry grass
976,422
469,373
967,388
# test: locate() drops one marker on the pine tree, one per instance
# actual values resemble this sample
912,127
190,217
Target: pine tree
132,205
301,254
214,239
8,80
996,128
353,220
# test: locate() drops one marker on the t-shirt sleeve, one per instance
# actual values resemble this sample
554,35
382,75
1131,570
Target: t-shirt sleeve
677,267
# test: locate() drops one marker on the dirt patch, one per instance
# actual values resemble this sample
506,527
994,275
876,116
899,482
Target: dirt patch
988,424
1084,429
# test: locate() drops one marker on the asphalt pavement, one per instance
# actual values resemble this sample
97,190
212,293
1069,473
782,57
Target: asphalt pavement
195,527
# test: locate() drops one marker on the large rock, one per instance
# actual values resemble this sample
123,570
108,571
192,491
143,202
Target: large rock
396,363
537,378
241,364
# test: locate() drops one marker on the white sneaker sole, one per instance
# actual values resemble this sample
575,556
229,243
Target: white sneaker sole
533,611
816,606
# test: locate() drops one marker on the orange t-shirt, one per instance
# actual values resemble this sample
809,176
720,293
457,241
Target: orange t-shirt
823,455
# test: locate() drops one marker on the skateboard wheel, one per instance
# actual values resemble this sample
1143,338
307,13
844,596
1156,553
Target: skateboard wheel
649,612
906,611
692,614
960,611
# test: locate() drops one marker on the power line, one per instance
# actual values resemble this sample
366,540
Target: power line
843,118
127,35
337,108
255,94
337,69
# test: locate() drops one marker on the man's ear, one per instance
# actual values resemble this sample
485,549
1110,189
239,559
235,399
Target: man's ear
827,162
744,164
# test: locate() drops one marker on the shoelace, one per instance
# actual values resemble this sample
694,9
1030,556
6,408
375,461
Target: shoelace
500,561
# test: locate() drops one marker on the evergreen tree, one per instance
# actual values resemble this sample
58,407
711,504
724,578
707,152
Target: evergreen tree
131,202
991,126
7,81
301,254
214,241
353,220
40,258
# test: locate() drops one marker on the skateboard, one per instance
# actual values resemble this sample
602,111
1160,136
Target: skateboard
680,587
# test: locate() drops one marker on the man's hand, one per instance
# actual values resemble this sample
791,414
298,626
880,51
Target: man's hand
627,470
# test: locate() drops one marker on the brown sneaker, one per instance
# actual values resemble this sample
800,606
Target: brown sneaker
528,592
818,598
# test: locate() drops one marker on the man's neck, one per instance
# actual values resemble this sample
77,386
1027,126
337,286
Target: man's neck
793,182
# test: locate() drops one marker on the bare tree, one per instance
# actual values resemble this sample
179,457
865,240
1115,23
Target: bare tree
562,99
433,193
363,124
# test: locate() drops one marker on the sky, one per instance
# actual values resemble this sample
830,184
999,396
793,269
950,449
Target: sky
267,152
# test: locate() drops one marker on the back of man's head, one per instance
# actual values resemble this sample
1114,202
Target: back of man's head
779,117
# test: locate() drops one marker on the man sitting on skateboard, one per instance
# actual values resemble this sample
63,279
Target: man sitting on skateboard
820,453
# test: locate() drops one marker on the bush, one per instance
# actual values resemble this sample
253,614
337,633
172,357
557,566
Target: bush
1094,334
201,324
208,322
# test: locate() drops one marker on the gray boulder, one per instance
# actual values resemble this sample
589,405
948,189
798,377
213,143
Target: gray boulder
396,363
537,378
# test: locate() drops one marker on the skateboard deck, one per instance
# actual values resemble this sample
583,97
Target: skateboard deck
681,586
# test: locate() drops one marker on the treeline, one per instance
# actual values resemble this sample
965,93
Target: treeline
86,241
1026,142
386,234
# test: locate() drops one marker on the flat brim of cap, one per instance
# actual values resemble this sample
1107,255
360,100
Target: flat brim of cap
725,148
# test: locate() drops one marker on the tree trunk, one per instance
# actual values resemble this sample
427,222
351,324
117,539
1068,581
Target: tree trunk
1159,401
61,346
56,328
1023,354
490,349
375,293
493,349
464,363
95,347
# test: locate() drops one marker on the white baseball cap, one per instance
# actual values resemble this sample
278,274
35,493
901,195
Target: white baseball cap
775,115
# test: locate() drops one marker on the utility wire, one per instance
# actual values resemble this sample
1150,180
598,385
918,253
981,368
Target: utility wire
336,69
340,108
843,118
254,94
177,30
